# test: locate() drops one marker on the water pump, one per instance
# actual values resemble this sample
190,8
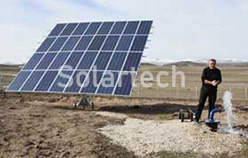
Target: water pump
211,122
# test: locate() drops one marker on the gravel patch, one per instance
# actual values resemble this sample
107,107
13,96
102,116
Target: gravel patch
148,136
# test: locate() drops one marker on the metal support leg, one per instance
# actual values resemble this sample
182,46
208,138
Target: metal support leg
85,101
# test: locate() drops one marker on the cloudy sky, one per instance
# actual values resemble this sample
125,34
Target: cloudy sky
183,29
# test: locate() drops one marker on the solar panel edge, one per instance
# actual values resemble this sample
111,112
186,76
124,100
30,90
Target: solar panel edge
53,92
53,30
69,93
66,92
8,90
40,62
139,65
141,56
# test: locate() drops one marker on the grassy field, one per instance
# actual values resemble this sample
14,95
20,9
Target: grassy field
234,79
7,74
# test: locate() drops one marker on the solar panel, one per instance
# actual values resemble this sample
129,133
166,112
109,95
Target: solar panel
97,58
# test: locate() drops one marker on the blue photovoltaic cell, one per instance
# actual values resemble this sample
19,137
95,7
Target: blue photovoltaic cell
117,61
110,43
69,29
131,27
58,44
145,27
81,28
91,87
76,80
62,79
105,28
133,60
102,60
97,43
83,43
125,43
46,61
74,59
118,28
32,81
108,83
46,81
59,60
87,60
46,45
70,44
57,30
126,84
110,46
17,83
139,43
32,63
93,28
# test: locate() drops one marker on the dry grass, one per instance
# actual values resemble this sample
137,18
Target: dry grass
234,79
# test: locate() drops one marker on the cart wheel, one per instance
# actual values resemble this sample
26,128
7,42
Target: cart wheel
191,116
182,117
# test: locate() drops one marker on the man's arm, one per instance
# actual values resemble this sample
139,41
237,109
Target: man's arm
219,79
215,83
218,82
208,82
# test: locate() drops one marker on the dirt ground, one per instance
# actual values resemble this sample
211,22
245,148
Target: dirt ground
52,129
49,126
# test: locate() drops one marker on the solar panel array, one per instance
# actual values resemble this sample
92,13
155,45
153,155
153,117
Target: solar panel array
113,47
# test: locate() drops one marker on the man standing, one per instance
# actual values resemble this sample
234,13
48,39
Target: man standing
211,78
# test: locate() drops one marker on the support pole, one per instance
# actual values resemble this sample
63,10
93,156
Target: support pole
85,101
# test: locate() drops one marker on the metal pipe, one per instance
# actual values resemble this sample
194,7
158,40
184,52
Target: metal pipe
215,110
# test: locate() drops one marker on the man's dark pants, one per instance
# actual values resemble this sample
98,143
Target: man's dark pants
211,93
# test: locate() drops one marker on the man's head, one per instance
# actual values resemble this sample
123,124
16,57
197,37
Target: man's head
212,63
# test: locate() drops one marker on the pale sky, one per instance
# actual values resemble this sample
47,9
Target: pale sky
183,29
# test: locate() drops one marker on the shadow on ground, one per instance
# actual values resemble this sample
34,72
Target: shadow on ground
147,109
